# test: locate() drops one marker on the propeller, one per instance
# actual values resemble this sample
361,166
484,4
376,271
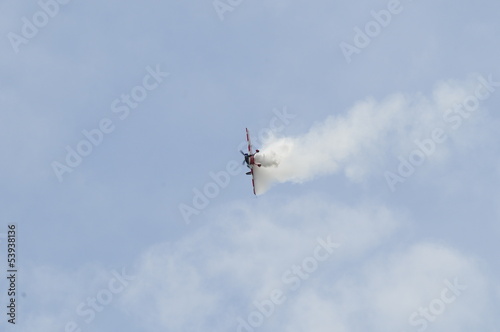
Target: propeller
244,154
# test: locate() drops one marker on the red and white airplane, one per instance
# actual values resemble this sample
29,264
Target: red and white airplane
250,160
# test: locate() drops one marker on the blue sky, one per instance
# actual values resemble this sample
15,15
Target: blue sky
420,257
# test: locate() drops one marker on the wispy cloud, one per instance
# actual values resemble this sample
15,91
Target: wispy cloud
216,277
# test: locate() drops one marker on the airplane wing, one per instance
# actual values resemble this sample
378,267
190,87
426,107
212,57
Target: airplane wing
253,181
250,152
250,148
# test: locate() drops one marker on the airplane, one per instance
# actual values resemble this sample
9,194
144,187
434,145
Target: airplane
250,159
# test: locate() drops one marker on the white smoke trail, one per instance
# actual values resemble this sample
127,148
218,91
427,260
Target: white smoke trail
360,141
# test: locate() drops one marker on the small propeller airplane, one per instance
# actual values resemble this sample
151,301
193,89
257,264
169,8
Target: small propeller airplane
250,159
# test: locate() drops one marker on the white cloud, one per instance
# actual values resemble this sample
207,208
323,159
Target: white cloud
387,291
211,279
241,257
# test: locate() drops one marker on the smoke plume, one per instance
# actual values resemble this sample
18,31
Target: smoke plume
360,141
